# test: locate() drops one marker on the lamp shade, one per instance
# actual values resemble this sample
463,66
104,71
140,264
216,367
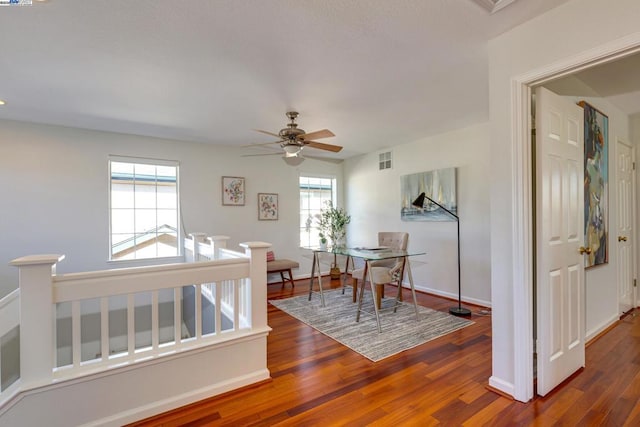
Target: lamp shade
292,148
419,202
293,160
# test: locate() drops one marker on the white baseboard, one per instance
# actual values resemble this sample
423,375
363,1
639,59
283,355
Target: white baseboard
502,386
186,398
126,394
600,328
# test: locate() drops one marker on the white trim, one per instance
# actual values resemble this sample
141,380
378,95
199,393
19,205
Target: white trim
501,385
589,335
183,399
142,160
522,222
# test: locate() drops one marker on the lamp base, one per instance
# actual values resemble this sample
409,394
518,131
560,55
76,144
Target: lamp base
460,311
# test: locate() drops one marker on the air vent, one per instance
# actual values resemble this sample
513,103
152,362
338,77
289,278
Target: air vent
384,160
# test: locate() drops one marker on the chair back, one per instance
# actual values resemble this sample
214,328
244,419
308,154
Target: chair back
392,239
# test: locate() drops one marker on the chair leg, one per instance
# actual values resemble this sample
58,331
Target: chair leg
379,292
291,279
355,290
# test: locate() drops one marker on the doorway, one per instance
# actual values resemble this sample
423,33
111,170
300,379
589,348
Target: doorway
522,221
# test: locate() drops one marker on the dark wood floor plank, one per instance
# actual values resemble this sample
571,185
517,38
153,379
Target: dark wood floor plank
318,382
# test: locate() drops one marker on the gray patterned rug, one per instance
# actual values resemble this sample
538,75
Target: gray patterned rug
400,330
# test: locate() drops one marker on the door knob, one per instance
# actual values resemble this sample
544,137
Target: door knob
622,238
584,250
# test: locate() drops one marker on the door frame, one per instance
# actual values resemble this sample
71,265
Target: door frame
522,221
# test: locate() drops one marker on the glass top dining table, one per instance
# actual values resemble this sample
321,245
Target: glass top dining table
367,254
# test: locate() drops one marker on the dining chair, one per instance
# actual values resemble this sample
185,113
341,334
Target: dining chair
397,240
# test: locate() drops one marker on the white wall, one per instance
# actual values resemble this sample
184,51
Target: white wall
373,200
570,29
54,194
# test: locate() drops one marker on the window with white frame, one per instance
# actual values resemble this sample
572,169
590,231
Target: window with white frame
314,193
143,209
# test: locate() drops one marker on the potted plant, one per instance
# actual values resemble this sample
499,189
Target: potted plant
332,224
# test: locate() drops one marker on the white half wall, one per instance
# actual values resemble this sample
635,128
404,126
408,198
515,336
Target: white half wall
373,200
55,194
577,27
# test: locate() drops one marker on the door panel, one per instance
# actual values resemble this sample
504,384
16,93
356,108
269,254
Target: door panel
559,236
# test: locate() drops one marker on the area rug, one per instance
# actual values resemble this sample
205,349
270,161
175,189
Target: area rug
400,330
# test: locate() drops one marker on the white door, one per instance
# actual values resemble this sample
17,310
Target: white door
560,284
625,173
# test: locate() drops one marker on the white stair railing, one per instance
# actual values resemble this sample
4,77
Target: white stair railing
235,282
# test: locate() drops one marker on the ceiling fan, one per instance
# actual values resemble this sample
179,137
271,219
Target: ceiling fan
293,139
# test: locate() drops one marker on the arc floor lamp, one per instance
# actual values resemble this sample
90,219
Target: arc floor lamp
419,203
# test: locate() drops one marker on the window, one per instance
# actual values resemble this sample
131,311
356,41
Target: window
144,213
314,192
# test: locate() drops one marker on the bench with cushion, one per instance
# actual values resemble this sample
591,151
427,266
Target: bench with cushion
281,266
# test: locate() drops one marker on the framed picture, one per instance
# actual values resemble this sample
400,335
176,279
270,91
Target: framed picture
596,185
232,191
267,206
440,185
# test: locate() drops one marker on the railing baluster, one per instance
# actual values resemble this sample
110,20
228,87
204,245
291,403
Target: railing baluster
131,327
177,315
76,337
155,325
198,311
218,307
236,305
104,327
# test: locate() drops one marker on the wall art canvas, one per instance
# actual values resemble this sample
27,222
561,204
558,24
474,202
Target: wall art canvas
440,185
232,191
596,185
267,206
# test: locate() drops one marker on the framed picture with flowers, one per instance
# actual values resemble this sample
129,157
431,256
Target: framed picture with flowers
267,206
232,191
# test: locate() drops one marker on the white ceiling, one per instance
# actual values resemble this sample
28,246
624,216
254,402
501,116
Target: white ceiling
376,72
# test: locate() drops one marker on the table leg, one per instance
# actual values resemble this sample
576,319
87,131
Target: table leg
413,290
313,273
364,281
374,292
344,278
315,269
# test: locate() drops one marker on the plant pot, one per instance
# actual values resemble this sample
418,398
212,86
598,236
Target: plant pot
334,272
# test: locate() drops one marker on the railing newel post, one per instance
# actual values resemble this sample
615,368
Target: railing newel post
257,253
217,242
37,318
196,238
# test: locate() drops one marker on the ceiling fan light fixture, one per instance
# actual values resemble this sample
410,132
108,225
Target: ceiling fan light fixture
292,149
293,160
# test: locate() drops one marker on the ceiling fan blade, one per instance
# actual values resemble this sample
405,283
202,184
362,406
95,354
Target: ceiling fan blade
279,153
263,143
324,133
324,159
323,146
268,133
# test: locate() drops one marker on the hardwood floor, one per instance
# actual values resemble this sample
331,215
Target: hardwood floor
318,382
